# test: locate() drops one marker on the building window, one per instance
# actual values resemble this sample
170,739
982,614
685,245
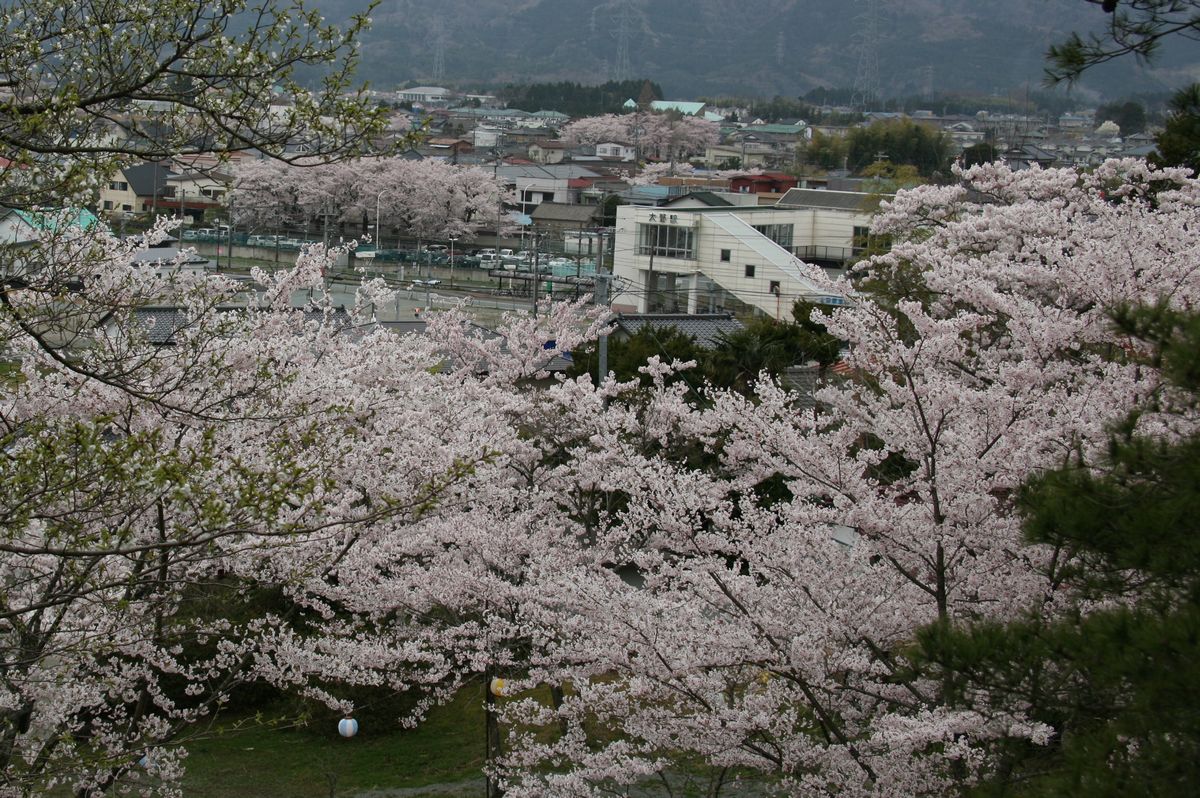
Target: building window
774,289
666,241
725,255
108,206
781,234
127,207
749,269
118,185
866,244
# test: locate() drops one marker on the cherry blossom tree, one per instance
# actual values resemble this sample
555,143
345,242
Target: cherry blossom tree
592,130
148,81
426,200
727,586
652,173
753,571
159,492
664,136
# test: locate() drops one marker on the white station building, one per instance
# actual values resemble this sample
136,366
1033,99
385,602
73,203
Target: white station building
709,252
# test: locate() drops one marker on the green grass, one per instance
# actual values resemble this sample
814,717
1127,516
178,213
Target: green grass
271,762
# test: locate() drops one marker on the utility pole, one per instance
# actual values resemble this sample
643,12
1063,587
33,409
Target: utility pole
230,230
537,247
651,283
601,298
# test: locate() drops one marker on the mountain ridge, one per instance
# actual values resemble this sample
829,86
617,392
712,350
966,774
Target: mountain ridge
742,47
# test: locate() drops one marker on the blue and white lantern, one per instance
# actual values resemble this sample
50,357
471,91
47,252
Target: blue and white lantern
347,727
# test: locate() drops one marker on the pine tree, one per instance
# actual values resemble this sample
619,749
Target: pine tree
1116,679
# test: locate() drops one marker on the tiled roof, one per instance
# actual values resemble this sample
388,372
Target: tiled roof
145,177
162,324
706,197
562,212
704,328
820,198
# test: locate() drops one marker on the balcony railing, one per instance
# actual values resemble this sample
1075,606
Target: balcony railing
822,253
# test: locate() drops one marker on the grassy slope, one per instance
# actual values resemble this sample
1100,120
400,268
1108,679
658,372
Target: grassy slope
267,762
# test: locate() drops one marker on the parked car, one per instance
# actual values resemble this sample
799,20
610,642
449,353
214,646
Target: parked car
490,260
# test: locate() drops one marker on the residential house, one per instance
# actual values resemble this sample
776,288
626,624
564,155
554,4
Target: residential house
547,152
746,153
616,150
1028,155
137,189
538,183
767,182
194,192
447,147
557,222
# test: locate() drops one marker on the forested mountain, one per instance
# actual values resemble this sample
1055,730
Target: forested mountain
742,47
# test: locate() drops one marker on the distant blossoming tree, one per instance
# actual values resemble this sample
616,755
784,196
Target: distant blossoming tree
427,200
663,136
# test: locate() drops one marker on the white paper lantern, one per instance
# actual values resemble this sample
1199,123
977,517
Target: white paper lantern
497,687
347,727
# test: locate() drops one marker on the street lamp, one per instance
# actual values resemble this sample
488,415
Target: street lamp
452,240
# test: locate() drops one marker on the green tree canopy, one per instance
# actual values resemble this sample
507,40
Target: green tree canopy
626,355
575,99
1116,683
1134,27
92,86
1179,140
901,141
824,150
1130,116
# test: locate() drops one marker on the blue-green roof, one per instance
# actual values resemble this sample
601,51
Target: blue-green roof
774,129
80,218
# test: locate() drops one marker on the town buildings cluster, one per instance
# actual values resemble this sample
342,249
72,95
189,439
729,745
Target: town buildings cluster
719,223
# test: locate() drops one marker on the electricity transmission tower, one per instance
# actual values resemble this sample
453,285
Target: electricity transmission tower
866,45
437,37
623,33
628,22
